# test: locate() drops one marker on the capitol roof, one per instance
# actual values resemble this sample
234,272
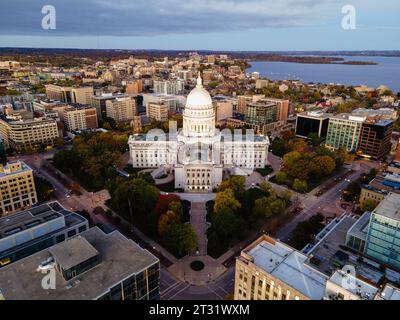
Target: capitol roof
199,98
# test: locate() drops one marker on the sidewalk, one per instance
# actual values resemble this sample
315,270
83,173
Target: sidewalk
199,224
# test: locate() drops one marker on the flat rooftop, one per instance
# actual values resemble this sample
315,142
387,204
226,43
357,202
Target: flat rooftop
360,228
73,252
384,184
119,259
356,286
349,117
331,253
288,265
32,217
315,115
14,167
389,207
389,293
328,248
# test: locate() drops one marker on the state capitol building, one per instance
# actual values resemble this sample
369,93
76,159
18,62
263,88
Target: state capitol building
199,155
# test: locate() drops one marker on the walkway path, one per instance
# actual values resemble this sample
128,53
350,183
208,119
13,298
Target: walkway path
213,269
199,223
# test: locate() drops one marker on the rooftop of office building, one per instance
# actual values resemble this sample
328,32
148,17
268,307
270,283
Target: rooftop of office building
326,254
24,220
360,228
348,117
315,114
389,207
119,258
288,265
389,293
13,168
354,285
379,122
384,184
25,121
382,112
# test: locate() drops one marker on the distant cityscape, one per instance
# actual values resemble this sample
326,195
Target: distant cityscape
183,175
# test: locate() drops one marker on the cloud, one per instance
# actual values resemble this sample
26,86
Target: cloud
155,17
161,17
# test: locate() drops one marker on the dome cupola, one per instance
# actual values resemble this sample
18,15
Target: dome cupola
199,115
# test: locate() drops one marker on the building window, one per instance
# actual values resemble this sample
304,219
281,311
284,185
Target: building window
60,238
71,233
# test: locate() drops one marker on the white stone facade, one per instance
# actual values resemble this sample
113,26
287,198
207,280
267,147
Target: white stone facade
199,154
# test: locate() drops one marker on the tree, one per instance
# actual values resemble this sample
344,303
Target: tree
306,230
299,169
291,158
165,220
300,185
288,135
176,207
235,183
261,209
164,201
299,145
278,147
285,195
266,187
58,142
226,199
315,139
277,206
180,239
226,224
321,166
369,205
281,177
44,189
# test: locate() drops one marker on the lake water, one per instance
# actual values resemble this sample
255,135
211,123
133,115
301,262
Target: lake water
386,72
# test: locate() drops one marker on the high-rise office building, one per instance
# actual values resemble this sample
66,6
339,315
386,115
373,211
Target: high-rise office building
121,109
271,270
30,133
282,107
99,102
89,266
27,232
243,101
223,109
312,122
383,239
375,138
171,87
262,113
17,187
344,131
80,95
134,87
157,111
82,118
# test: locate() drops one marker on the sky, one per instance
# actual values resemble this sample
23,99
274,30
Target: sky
241,25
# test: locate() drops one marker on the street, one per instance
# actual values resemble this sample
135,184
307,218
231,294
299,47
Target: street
327,203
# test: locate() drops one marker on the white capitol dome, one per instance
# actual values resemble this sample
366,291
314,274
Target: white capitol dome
199,98
199,116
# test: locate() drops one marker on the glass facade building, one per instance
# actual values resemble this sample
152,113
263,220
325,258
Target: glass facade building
141,286
383,241
261,114
344,131
383,238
